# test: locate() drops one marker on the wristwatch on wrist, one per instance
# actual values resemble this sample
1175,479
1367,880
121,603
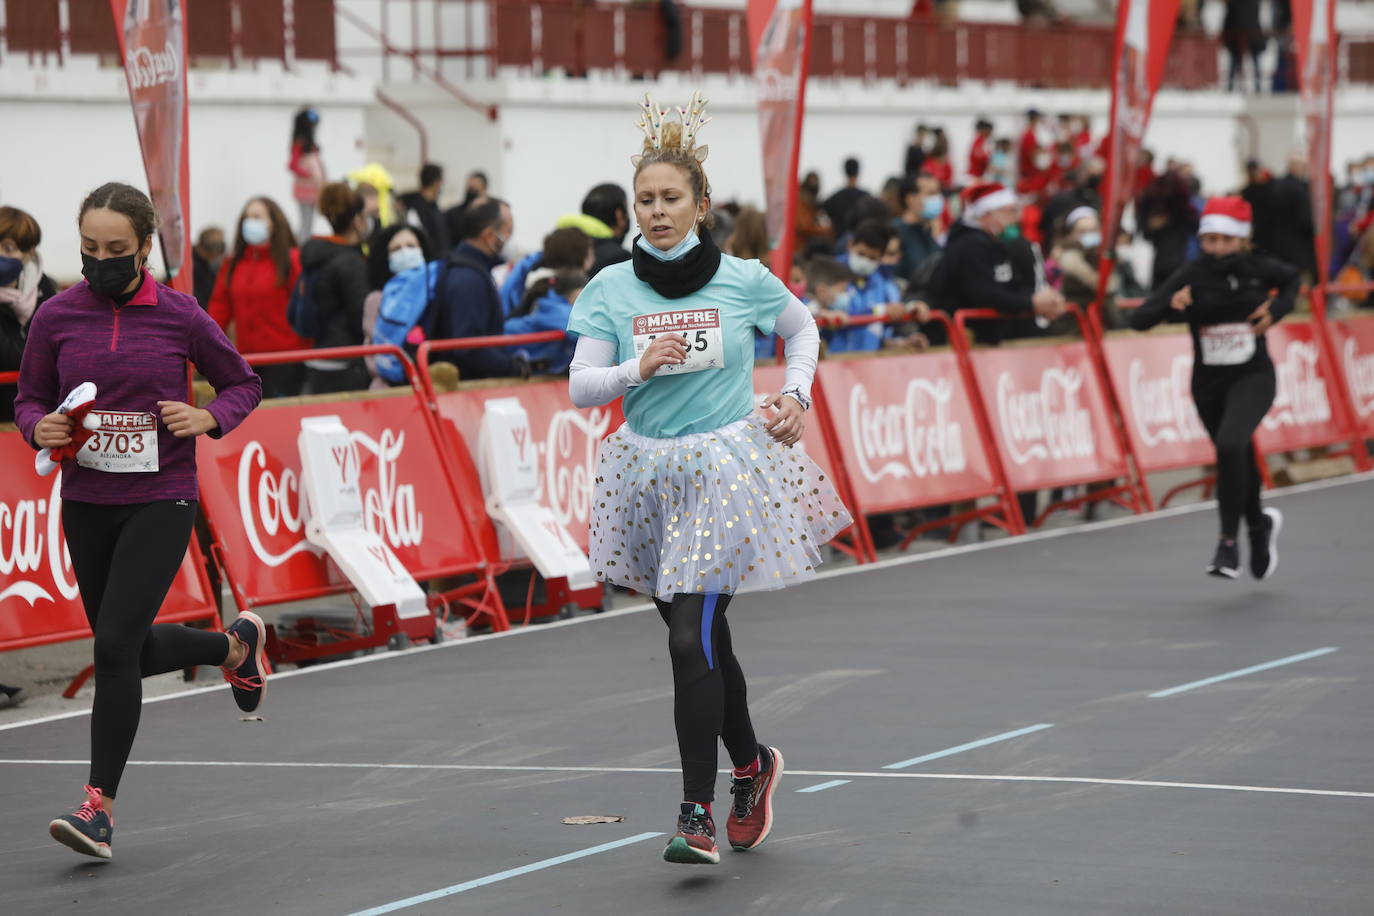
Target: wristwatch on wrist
794,392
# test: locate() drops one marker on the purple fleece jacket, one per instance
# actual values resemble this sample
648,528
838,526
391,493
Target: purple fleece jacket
136,355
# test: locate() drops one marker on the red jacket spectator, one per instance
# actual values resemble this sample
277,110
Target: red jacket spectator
251,296
979,157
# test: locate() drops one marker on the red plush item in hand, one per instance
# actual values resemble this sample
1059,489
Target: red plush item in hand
78,406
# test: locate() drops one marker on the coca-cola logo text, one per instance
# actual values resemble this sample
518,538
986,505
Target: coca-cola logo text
570,462
1359,368
1163,406
271,505
916,437
1048,423
33,553
1301,398
147,68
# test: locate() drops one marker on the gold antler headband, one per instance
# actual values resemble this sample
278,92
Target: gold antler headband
660,134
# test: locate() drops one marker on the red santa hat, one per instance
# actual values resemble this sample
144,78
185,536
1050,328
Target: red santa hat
1226,216
982,199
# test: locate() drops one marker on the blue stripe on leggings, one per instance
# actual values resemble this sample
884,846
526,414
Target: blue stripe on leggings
708,618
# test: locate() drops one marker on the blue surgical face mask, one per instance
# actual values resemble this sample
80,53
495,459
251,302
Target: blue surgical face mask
689,241
403,259
933,207
862,264
1090,239
842,302
256,231
1001,160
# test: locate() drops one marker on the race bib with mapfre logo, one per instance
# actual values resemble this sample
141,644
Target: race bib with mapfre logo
125,442
701,327
1227,344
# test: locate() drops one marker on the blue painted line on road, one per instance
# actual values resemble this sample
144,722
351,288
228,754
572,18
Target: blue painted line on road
1005,736
1244,671
822,786
503,876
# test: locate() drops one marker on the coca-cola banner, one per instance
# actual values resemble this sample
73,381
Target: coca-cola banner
152,38
1152,375
39,601
1314,29
251,489
1304,412
907,431
1354,338
780,36
1144,29
1049,415
565,440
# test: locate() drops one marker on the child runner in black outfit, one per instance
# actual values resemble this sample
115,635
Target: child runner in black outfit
1230,297
129,498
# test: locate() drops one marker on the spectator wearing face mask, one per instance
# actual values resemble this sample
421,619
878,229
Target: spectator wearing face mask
23,288
870,293
206,257
918,228
1078,255
467,302
394,250
475,189
253,289
1002,165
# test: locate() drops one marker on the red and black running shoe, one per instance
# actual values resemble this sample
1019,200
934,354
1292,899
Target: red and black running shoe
695,840
751,815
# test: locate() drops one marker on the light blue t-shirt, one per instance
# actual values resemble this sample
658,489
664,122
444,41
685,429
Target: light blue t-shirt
746,295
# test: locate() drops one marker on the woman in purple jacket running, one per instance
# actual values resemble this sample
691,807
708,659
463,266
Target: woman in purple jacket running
129,498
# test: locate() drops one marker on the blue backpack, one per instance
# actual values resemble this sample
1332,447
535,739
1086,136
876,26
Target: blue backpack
406,300
302,311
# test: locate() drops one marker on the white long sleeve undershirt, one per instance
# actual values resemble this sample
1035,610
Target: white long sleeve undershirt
596,379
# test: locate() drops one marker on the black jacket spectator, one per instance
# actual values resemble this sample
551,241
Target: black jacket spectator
978,271
340,290
1170,221
1292,236
607,204
470,306
430,219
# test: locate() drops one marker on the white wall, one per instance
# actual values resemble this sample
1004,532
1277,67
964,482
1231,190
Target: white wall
69,131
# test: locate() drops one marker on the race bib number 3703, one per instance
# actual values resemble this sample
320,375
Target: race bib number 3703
125,442
701,327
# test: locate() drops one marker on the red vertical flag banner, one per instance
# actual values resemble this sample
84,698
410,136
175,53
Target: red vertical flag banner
1314,30
1144,29
780,34
152,39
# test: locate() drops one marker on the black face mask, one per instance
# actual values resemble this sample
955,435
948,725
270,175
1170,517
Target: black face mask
1223,263
110,276
10,269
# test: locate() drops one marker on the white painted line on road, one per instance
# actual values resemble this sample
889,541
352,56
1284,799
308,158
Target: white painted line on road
1005,736
1277,663
503,876
821,787
845,774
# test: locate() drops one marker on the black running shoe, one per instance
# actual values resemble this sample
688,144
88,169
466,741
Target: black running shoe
13,696
1264,545
1226,564
695,840
249,680
89,829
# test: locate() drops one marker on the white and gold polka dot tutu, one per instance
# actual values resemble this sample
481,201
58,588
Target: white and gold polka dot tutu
718,512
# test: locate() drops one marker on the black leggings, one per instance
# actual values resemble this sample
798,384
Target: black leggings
710,694
1231,408
125,559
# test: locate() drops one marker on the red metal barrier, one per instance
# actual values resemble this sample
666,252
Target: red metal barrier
1051,417
252,497
909,434
1354,339
39,600
1308,411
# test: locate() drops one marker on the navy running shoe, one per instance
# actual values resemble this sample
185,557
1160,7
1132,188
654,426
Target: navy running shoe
695,840
1226,563
249,679
89,829
1264,544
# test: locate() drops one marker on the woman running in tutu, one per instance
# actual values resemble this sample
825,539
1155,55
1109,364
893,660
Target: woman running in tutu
698,496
